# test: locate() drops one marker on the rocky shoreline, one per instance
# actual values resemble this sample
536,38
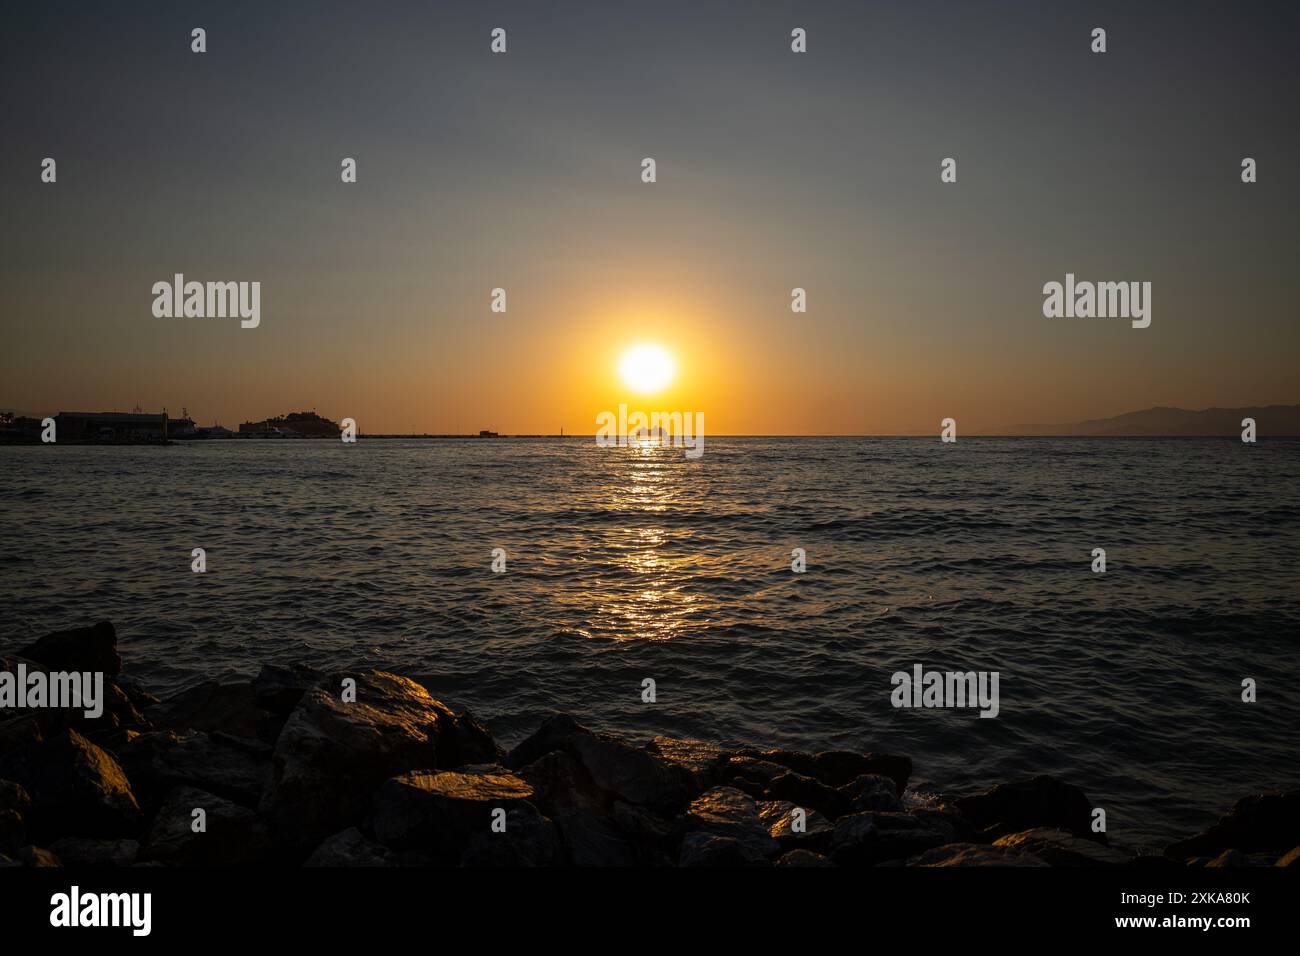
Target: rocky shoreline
291,769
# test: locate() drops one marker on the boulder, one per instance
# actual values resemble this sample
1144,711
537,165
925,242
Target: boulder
974,854
708,849
529,839
704,763
565,792
233,835
332,755
802,858
1038,802
15,804
1289,859
76,788
1260,823
1062,848
36,856
440,811
808,793
836,768
727,813
279,687
871,791
212,706
637,776
78,649
351,847
235,768
865,839
78,851
779,817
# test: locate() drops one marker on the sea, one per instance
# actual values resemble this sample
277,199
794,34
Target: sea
519,577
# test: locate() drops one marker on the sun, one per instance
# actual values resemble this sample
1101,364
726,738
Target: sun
647,368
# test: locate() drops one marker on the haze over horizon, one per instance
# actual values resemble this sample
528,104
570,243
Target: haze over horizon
774,171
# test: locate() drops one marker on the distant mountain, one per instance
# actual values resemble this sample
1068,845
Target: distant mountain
1271,421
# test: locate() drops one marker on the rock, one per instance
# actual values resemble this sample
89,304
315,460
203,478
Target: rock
865,839
836,768
235,768
233,836
1038,802
331,755
15,804
871,791
1062,848
350,847
703,762
803,858
529,839
1260,823
565,792
441,811
807,793
76,851
1227,858
707,849
637,776
79,649
212,706
76,788
753,770
279,687
779,817
728,813
974,854
35,856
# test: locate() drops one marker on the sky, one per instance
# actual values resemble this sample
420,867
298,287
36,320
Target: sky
775,170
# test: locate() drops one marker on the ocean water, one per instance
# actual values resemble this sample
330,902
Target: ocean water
623,564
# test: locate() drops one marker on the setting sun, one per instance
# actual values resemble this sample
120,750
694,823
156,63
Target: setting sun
646,368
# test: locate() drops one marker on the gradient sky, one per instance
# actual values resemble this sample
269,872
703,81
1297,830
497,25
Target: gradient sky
775,170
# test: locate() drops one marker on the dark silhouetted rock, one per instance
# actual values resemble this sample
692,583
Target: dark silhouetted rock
76,788
803,858
1062,848
727,813
779,818
331,755
529,839
871,792
974,854
351,847
565,792
703,762
36,856
807,793
79,649
235,768
212,706
15,804
836,768
638,776
708,849
233,836
865,839
441,811
1263,822
279,687
1025,804
84,851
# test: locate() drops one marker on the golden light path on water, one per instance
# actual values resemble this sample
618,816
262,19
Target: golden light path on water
654,606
